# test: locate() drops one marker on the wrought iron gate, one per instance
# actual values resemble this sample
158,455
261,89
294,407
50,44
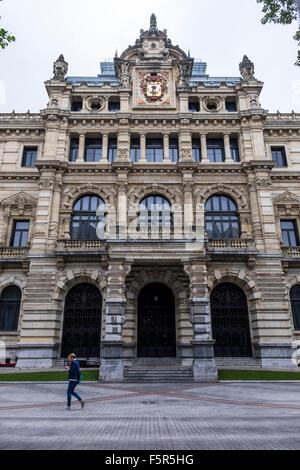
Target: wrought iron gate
82,322
156,322
230,322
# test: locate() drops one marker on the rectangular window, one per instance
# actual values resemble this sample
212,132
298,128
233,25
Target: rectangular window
112,150
194,106
230,106
76,106
289,232
173,149
215,150
74,147
279,156
135,150
29,156
154,150
93,150
20,232
114,106
196,149
234,147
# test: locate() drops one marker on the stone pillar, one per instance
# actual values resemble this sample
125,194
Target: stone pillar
255,214
104,148
122,210
81,148
228,158
124,146
143,148
204,157
112,360
188,208
55,211
204,366
166,148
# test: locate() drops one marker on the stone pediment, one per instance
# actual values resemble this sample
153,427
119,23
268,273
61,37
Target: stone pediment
20,202
287,198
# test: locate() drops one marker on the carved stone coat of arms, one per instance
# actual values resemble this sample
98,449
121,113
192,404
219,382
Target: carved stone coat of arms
154,88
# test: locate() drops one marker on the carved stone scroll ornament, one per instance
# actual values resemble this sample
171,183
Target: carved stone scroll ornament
125,73
185,70
186,156
123,155
60,69
247,69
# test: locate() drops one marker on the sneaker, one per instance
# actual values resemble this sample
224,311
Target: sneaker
82,403
67,408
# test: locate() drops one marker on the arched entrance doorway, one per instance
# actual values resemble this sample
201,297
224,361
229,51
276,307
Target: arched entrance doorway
82,322
156,322
230,321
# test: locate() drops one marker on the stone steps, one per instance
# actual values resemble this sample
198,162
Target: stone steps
158,374
237,362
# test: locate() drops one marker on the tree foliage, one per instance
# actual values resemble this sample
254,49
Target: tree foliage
282,12
5,37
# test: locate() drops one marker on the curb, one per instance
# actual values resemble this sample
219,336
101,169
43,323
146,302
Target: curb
48,382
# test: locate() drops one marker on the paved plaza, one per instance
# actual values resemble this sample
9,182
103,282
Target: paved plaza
145,417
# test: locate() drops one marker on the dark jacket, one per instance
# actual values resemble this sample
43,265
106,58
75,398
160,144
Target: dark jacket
74,371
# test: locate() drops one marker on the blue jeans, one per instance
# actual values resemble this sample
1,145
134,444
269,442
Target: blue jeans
71,392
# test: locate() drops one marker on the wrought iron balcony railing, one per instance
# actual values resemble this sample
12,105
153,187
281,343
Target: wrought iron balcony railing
231,245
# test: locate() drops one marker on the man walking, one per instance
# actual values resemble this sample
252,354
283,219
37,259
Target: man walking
74,379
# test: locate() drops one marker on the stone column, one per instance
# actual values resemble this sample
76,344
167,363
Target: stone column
166,148
143,148
104,148
204,157
204,365
112,361
228,158
81,148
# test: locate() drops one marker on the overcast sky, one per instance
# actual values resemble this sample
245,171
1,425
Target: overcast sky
219,32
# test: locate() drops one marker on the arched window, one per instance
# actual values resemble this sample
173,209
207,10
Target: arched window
155,211
222,218
88,211
295,303
10,302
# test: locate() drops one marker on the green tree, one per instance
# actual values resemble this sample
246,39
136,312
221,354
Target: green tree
283,12
5,37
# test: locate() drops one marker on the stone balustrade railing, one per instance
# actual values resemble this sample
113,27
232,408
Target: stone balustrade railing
229,245
291,251
21,117
12,252
80,245
284,116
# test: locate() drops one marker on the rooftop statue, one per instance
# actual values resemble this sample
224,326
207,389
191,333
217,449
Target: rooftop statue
247,69
60,69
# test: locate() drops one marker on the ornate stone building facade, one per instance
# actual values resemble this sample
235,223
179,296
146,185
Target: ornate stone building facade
196,190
